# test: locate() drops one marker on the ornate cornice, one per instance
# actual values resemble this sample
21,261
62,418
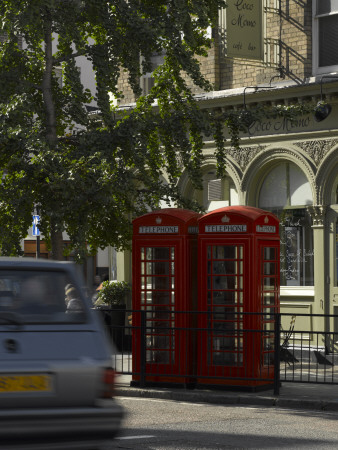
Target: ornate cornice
317,149
244,155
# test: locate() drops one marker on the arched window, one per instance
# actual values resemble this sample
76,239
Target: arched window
285,186
217,192
286,192
337,239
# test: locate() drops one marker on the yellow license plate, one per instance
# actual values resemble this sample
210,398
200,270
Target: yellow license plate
25,383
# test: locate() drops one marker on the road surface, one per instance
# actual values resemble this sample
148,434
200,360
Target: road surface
169,425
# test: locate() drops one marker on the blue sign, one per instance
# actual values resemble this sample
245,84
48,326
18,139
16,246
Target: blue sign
36,221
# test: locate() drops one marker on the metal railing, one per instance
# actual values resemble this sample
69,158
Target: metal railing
225,347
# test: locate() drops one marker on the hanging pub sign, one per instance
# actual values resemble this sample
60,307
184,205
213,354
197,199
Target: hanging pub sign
244,29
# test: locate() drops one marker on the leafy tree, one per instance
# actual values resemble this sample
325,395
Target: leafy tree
90,173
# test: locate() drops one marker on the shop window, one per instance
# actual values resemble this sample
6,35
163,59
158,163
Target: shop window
337,253
287,193
325,35
337,241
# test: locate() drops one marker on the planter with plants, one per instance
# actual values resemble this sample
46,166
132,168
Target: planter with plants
112,293
111,300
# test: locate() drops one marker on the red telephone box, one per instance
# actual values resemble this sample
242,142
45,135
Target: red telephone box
238,291
164,260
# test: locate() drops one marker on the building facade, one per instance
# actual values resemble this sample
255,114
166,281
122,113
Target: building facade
289,168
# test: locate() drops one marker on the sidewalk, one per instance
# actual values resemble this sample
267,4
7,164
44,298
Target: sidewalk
292,395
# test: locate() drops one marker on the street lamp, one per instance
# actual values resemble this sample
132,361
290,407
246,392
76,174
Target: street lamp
323,109
246,116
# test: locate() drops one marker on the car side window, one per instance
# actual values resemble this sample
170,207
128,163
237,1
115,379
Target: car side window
43,296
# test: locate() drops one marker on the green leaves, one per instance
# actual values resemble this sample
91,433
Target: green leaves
90,174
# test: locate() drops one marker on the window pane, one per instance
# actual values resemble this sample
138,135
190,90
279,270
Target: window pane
41,296
296,252
269,299
157,253
224,267
157,268
328,38
224,282
225,252
274,188
269,284
160,298
269,268
224,297
300,189
270,253
285,185
337,253
327,6
158,282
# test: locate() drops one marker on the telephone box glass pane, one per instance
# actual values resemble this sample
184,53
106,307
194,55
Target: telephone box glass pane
269,278
158,299
269,268
225,296
224,267
269,284
157,268
269,299
172,253
223,283
337,250
269,253
225,252
157,253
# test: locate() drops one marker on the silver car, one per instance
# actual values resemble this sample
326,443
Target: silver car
56,379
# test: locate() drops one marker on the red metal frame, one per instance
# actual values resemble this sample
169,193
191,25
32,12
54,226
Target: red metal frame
231,283
164,252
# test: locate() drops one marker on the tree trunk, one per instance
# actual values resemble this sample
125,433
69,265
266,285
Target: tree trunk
50,121
49,105
56,244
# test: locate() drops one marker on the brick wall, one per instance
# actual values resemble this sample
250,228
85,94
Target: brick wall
293,29
124,87
288,44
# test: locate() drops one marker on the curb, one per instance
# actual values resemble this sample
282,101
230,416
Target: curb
228,398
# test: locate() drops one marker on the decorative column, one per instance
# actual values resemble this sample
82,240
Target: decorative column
321,304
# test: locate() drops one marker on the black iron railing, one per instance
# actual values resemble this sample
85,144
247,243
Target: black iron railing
226,347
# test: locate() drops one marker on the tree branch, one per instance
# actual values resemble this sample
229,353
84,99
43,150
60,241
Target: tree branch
65,58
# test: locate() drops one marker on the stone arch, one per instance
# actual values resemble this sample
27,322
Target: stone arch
327,178
266,160
210,163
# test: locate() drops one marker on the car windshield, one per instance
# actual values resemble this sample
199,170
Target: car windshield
40,297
